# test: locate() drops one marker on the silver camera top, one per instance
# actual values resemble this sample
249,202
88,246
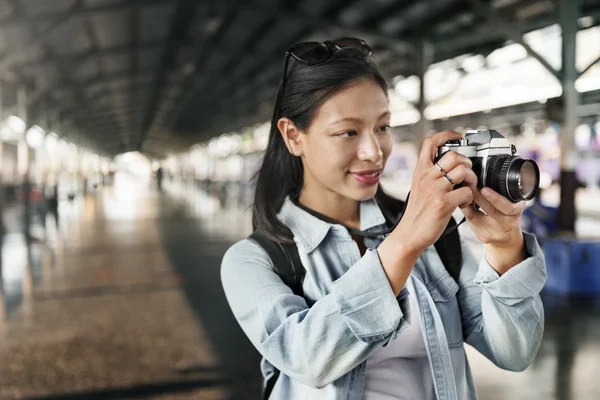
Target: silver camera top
480,143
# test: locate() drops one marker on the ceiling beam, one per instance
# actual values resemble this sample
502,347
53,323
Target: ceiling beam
8,58
95,45
182,19
79,9
143,74
94,53
400,46
134,39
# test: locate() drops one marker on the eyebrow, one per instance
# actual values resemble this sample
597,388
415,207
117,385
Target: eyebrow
359,120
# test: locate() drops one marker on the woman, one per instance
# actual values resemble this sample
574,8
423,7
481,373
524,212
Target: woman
380,317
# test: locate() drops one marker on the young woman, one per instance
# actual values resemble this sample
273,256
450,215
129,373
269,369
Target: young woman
381,317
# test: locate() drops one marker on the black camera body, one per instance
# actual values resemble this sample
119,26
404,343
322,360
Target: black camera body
496,164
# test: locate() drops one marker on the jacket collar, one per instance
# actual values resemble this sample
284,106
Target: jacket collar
309,231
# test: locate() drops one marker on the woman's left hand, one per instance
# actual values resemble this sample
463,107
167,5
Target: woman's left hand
498,226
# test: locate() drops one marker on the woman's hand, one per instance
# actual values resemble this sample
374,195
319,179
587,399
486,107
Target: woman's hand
432,201
432,195
498,226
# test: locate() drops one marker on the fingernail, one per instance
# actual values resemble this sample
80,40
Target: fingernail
486,192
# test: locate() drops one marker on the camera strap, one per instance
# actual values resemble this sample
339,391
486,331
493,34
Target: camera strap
351,230
391,222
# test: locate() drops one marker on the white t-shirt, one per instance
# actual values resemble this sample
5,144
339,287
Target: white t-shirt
401,370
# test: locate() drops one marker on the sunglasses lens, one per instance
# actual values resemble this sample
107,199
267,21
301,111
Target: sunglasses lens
310,52
354,43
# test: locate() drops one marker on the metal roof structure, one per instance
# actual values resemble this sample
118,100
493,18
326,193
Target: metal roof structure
155,75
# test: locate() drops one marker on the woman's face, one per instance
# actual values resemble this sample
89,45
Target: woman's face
348,142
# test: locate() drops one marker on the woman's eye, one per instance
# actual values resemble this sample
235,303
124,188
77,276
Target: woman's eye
348,134
385,128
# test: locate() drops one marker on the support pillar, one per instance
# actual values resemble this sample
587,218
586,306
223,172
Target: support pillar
425,59
569,13
2,228
2,190
23,162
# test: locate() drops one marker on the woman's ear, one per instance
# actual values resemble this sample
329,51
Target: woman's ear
291,136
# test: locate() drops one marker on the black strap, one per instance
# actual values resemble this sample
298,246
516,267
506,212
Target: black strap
268,389
286,263
447,246
285,259
353,231
449,249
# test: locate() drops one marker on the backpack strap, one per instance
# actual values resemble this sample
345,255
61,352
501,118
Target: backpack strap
447,246
286,263
449,249
285,259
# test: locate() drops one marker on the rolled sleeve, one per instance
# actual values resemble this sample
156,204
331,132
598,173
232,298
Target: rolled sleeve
366,301
524,280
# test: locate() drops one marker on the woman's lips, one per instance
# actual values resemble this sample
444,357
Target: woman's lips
367,177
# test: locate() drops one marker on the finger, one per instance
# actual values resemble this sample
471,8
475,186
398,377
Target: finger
435,180
452,159
471,180
501,203
485,205
431,144
461,197
463,174
472,214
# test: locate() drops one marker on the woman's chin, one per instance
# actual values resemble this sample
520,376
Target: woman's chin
365,193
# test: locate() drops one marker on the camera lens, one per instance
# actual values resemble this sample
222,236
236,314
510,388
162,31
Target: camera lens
513,177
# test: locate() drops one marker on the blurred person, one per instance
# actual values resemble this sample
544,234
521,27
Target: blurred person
159,178
379,316
51,194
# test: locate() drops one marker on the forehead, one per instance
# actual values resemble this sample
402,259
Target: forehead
364,100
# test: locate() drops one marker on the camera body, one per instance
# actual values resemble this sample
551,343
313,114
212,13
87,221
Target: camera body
496,164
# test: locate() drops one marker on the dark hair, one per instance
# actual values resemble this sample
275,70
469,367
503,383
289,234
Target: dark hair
306,89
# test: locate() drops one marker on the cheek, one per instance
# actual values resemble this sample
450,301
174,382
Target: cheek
330,156
387,145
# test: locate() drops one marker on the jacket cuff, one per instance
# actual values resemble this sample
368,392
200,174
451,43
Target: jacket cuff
522,281
365,299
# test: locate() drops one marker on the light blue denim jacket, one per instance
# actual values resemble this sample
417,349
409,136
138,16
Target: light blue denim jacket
321,342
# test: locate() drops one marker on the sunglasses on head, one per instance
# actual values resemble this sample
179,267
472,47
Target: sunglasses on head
314,53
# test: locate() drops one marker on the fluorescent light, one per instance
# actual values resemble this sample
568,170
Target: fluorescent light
16,124
35,137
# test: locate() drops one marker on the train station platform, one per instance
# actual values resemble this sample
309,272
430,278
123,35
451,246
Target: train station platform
120,297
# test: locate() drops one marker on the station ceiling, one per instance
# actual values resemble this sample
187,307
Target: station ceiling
159,75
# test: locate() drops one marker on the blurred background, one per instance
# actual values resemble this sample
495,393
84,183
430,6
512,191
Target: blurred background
130,131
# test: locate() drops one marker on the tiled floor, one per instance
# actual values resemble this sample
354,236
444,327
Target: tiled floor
124,301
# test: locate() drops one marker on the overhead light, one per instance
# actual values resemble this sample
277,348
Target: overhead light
35,137
473,63
16,124
51,142
586,22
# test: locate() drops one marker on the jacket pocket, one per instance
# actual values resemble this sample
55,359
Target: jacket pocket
443,291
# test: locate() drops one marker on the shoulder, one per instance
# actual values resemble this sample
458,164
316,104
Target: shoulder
246,267
245,252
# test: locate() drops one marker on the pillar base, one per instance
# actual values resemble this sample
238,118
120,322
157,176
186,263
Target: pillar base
567,215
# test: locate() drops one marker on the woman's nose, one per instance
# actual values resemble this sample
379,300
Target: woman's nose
369,148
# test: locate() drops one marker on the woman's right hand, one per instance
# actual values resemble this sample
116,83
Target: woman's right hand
432,201
433,198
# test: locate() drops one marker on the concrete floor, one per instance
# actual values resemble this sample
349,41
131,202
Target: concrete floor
124,301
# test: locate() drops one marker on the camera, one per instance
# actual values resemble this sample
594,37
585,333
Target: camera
496,164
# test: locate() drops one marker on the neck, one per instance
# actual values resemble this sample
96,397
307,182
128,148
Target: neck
332,205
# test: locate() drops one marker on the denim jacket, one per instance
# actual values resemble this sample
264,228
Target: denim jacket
320,342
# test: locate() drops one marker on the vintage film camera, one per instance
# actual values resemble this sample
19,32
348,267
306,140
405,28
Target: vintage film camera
496,164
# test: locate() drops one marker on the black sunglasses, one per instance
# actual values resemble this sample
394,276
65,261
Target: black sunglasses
314,53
